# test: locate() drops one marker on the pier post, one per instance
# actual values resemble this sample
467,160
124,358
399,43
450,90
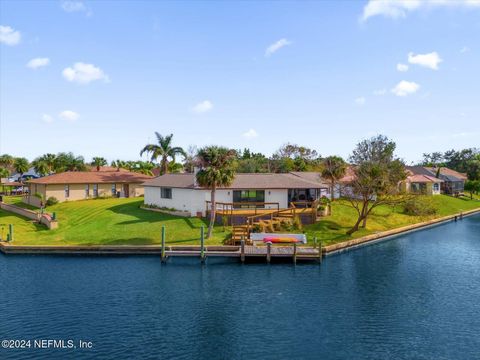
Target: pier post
164,258
202,241
320,252
294,253
10,231
314,242
242,250
461,215
269,252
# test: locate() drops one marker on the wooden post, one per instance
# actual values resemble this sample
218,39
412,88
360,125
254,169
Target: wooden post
294,253
242,250
461,215
202,241
269,250
164,258
10,230
314,242
320,252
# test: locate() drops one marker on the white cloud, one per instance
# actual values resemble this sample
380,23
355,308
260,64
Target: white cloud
379,92
9,36
430,60
250,134
38,62
69,115
464,49
276,46
404,88
400,8
402,67
47,118
202,107
76,6
84,73
360,100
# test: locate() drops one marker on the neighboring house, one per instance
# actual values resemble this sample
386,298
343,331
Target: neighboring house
434,181
260,190
31,173
79,185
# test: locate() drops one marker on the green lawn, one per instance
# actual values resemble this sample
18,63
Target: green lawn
17,201
332,229
107,222
122,222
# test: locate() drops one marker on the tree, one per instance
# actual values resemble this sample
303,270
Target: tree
6,161
68,162
292,157
4,173
473,187
143,167
377,173
333,169
163,150
44,165
217,169
473,169
174,167
98,162
21,165
190,159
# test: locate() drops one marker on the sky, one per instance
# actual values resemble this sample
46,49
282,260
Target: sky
100,77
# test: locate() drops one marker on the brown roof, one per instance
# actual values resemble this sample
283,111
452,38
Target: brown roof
105,168
92,177
419,178
241,181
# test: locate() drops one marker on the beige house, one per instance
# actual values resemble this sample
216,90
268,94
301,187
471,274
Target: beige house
80,185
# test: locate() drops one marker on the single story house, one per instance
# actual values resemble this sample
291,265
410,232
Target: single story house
434,181
79,185
260,190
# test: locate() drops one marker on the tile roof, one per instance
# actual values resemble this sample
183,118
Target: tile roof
418,178
449,174
92,177
241,181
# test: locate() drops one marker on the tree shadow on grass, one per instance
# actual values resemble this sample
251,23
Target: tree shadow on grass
4,223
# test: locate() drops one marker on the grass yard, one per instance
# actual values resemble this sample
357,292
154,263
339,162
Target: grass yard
17,201
332,229
122,222
107,222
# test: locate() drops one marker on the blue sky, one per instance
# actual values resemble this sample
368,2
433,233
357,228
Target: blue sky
98,77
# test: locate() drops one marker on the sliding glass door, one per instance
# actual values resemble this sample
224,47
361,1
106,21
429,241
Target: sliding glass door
248,198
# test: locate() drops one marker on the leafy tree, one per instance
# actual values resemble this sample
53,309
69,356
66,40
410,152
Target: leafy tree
6,161
333,169
473,169
163,150
21,165
174,167
190,159
251,162
473,187
98,162
68,162
292,157
217,169
4,173
377,173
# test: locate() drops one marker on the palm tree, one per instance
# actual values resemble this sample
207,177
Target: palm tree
333,169
144,167
174,167
44,165
217,169
21,165
163,150
119,164
98,162
6,161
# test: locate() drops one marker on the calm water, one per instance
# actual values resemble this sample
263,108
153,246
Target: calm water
415,297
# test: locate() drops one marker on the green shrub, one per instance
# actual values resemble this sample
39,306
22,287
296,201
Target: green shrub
420,206
52,201
297,223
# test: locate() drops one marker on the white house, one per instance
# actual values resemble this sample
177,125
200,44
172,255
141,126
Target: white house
262,190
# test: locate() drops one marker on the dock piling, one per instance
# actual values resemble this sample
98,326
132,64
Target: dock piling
164,258
269,252
202,241
314,242
10,230
242,250
295,253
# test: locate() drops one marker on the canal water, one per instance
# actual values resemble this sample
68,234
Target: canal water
413,297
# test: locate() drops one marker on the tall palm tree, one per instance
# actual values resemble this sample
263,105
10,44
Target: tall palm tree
44,165
217,169
6,161
98,162
21,165
333,169
163,150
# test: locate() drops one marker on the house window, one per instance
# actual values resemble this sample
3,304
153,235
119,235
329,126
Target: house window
166,193
95,190
87,190
436,187
249,196
114,189
67,191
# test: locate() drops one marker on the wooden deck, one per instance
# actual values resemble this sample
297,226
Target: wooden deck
253,212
